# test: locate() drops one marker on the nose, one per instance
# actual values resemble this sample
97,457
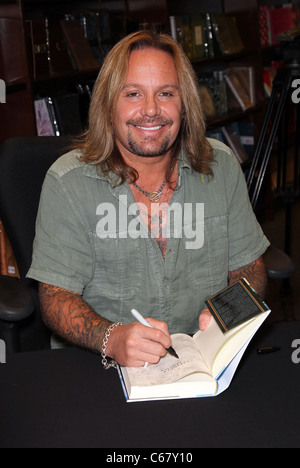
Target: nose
151,106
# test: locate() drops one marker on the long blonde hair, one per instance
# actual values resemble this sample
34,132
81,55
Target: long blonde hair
98,144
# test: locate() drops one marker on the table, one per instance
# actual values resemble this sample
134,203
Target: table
64,398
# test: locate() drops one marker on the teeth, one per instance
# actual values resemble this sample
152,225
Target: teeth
149,128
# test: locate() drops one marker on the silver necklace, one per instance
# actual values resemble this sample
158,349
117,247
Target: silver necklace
155,195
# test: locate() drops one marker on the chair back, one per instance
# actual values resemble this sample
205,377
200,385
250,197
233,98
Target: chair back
24,162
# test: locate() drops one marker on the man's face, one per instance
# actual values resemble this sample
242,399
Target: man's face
148,114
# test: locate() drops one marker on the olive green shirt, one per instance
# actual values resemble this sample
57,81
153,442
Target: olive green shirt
117,265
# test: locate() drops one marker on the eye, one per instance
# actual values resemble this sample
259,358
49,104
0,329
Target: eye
166,94
133,95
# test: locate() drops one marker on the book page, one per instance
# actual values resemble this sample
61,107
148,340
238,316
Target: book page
170,369
218,348
210,341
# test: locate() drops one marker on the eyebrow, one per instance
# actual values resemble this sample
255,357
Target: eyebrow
136,85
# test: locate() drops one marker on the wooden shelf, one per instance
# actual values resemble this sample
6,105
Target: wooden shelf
224,58
246,12
15,87
62,79
231,117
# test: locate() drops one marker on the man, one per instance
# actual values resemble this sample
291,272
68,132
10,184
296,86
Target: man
102,248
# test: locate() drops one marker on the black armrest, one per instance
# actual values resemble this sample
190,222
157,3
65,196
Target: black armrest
279,265
16,302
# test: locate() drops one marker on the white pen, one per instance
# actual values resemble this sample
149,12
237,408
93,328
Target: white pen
143,321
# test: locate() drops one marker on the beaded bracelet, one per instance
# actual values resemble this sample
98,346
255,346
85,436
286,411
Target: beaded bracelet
107,365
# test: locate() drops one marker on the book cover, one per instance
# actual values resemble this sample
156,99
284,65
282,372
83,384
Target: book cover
67,112
207,101
79,48
227,34
235,305
240,82
265,27
37,32
44,124
199,36
177,30
12,51
58,56
232,139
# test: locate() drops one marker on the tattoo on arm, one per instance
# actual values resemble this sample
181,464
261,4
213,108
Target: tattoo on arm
70,317
255,273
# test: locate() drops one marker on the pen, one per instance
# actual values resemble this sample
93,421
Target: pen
268,350
143,321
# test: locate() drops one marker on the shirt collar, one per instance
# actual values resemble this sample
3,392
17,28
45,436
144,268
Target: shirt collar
95,171
183,162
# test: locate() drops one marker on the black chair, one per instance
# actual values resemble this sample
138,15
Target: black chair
279,265
24,162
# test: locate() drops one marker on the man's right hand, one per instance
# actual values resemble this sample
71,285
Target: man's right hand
135,344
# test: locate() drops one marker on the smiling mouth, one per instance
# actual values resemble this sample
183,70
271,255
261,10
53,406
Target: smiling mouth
150,126
149,129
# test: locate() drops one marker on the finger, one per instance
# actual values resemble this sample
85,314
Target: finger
163,326
141,358
158,336
204,319
144,344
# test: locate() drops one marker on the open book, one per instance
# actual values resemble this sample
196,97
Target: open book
206,365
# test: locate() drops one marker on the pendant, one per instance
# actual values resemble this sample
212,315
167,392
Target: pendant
155,197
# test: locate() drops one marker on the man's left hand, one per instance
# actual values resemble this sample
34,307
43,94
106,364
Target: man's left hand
204,319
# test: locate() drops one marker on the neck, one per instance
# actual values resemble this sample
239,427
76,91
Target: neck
150,169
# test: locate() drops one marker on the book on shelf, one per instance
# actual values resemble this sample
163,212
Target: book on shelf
67,112
208,360
265,26
241,83
57,48
206,35
58,115
273,22
227,34
12,51
38,36
64,113
59,60
44,121
189,31
208,105
232,139
246,132
213,94
79,48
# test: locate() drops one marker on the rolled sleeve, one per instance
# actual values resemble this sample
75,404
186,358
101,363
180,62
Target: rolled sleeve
61,252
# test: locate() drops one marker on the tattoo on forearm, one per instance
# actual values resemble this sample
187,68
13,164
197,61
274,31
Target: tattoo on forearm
70,317
255,273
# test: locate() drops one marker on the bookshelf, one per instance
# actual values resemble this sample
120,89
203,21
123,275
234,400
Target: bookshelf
18,116
15,118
